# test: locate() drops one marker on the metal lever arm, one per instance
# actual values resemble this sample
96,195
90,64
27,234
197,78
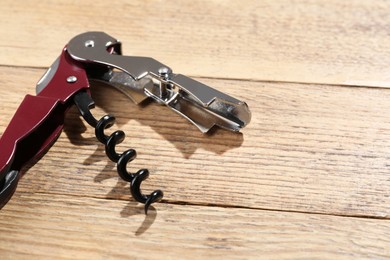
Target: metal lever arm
37,124
147,77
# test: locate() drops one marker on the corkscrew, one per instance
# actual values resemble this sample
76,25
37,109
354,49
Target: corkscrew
97,57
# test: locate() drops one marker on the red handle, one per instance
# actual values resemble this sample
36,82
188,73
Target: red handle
37,123
35,126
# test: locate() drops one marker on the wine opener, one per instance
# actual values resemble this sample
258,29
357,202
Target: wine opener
96,56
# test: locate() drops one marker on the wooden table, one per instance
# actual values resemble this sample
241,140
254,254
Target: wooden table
309,177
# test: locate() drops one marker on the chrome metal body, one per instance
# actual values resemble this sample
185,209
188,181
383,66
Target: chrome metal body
143,77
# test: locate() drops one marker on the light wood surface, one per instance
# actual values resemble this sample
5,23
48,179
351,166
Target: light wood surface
307,178
100,228
326,41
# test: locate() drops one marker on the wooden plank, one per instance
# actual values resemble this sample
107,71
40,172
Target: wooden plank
309,148
56,226
327,41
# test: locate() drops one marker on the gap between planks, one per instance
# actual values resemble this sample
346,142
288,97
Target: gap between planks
212,205
84,228
232,79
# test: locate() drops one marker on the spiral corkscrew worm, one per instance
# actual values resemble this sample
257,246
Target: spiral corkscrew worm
84,102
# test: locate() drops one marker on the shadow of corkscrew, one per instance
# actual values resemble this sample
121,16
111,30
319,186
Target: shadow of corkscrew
185,137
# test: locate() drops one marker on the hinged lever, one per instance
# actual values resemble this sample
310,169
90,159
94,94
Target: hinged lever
142,77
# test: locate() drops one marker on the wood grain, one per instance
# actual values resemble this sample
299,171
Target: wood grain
307,178
85,228
309,148
327,41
